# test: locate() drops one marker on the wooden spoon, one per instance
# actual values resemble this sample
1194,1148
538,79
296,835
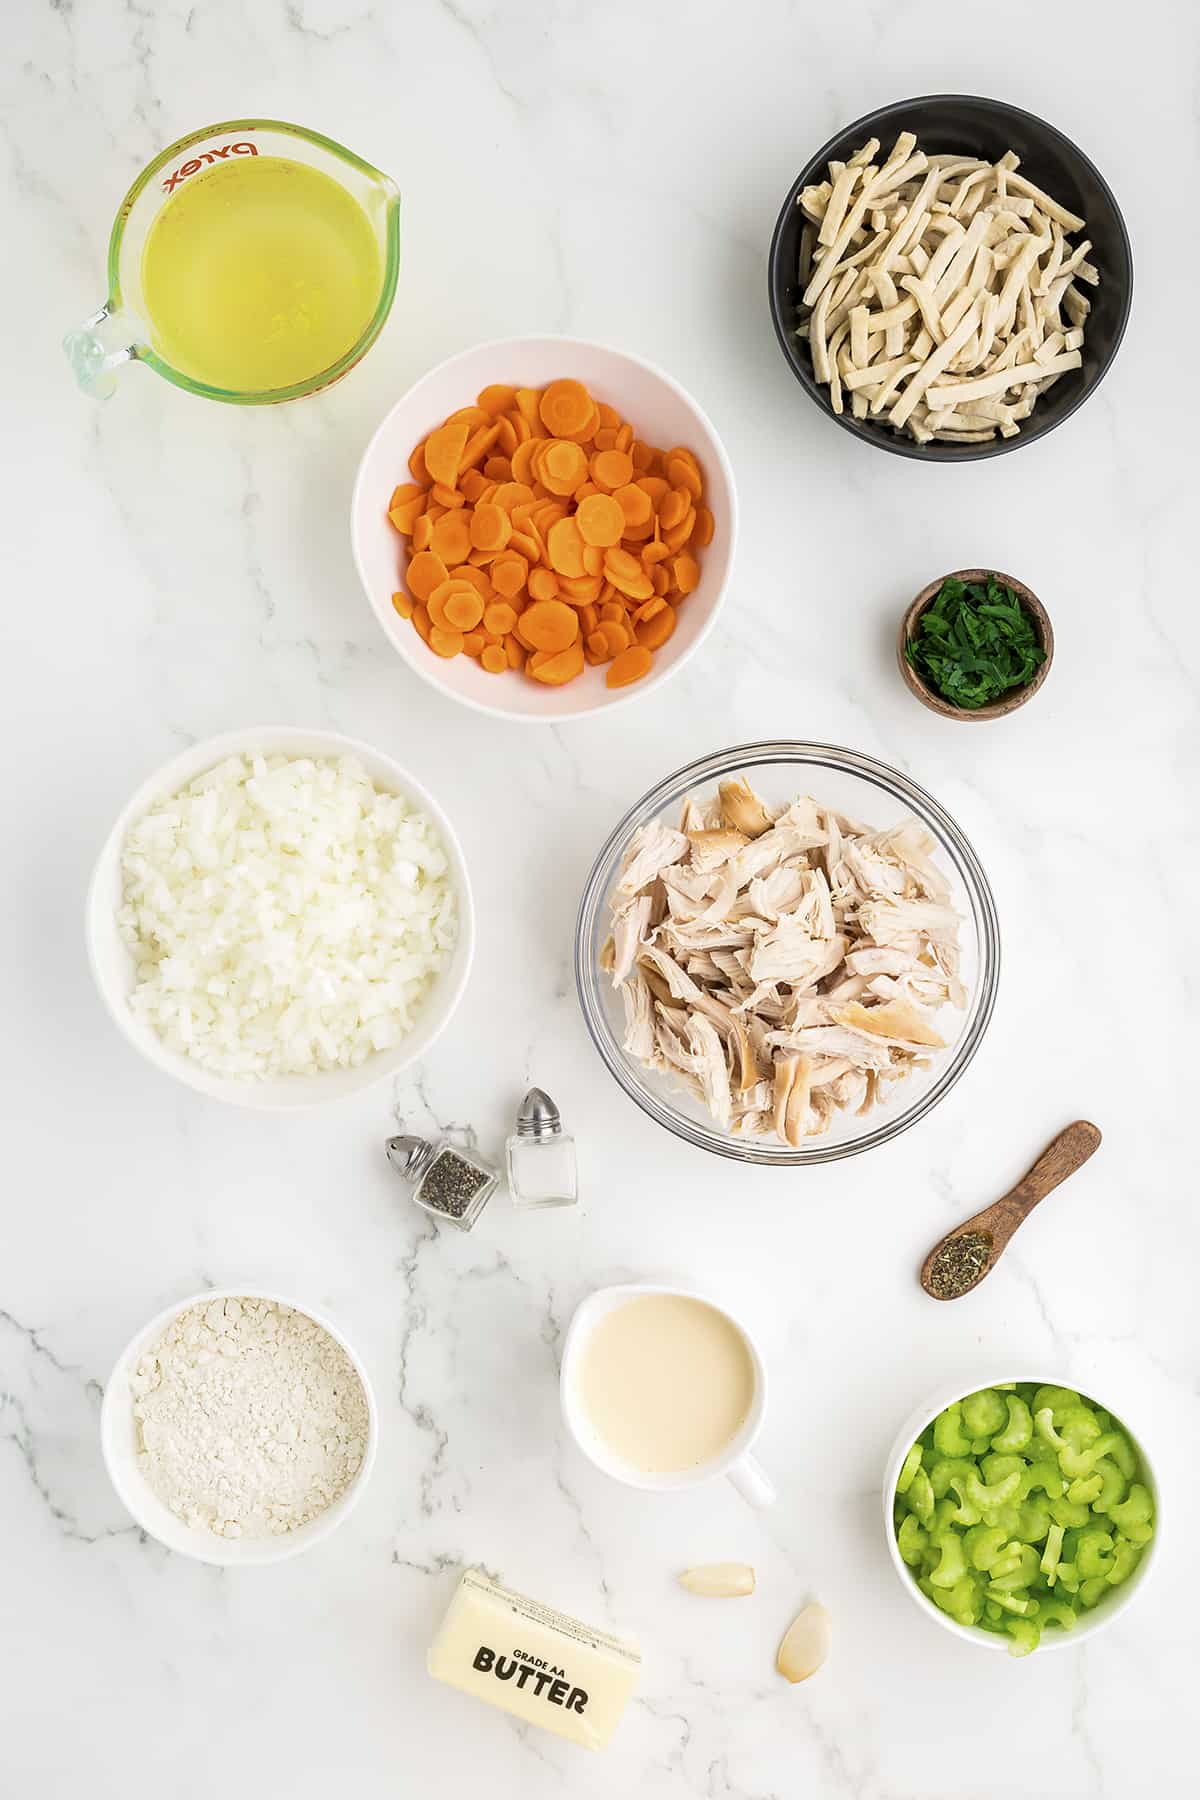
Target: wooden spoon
997,1222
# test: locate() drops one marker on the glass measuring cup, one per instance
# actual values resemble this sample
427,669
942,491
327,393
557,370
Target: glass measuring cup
120,333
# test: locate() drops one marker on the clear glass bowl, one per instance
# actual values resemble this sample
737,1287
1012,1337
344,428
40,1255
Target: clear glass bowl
867,791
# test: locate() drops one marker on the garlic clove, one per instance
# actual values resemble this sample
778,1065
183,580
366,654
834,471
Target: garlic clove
719,1581
805,1644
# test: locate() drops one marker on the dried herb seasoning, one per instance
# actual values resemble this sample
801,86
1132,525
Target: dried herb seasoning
960,1263
975,642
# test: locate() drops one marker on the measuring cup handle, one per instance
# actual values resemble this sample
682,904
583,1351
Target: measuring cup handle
96,349
752,1481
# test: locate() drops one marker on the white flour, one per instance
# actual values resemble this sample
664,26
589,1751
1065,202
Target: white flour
251,1420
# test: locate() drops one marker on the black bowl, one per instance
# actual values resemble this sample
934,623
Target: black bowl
984,128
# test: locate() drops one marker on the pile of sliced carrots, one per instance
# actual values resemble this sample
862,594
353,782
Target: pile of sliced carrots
543,535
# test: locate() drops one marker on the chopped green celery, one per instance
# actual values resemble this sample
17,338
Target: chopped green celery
1011,1574
1113,1485
1092,1591
911,1541
1043,1424
1018,1432
948,1469
948,1435
945,1513
989,1497
1046,1475
993,1609
1068,1512
1025,1636
964,1601
1068,1576
983,1545
951,1565
920,1497
1006,1519
1085,1489
1080,1426
1081,1461
1122,1453
984,1413
1011,1603
1135,1515
1034,1521
1125,1560
980,1445
909,1467
1057,1612
996,1466
1094,1557
1052,1554
1058,1400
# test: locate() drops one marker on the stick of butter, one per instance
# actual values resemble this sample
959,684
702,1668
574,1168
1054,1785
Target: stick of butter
537,1664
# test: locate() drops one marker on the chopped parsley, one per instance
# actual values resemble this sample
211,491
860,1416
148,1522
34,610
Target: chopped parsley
975,642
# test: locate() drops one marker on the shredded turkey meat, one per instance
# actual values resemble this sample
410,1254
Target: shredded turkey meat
784,965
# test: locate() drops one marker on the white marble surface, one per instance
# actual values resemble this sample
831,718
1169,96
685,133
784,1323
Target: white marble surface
175,569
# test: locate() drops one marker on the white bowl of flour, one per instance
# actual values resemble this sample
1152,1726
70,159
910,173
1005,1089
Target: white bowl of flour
239,1427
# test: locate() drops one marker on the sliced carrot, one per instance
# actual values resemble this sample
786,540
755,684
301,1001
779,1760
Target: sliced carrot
499,618
405,517
445,643
407,490
686,571
624,437
611,609
508,574
596,646
605,437
565,407
496,468
452,538
557,669
477,446
593,559
654,553
703,533
507,439
601,520
440,598
496,399
494,659
616,638
472,487
543,584
422,532
612,469
676,539
653,633
627,575
527,544
562,466
463,609
403,605
610,418
470,416
635,503
660,575
643,456
564,546
491,527
474,643
528,405
655,486
580,590
514,650
589,617
629,666
443,450
512,493
420,619
549,625
425,572
448,497
675,507
416,463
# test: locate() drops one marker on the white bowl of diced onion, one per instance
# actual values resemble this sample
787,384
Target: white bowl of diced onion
115,970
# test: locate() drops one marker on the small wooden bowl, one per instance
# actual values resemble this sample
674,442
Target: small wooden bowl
1018,696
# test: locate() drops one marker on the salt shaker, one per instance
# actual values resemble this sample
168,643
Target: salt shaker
540,1156
453,1185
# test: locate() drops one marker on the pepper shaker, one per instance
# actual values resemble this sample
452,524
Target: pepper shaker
452,1185
540,1156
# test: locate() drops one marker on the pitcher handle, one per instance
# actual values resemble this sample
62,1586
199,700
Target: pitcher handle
752,1481
96,350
